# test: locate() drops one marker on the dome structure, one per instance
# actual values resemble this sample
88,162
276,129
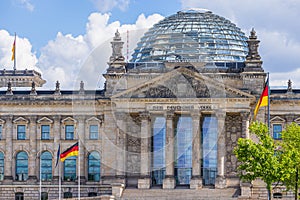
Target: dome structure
194,35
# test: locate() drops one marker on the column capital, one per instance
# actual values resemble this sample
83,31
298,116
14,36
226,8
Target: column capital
245,115
120,115
145,115
220,114
169,115
196,115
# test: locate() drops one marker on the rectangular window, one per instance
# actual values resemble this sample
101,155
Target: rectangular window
45,132
94,132
21,132
277,129
69,132
1,132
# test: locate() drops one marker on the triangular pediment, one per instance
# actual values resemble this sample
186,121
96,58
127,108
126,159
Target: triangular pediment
69,120
21,120
45,120
277,119
182,83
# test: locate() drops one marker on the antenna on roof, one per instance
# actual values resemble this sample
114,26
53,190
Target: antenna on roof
127,46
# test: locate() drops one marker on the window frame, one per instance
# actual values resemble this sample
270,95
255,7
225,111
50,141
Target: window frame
72,133
278,134
45,132
93,132
19,133
91,173
73,175
18,166
49,167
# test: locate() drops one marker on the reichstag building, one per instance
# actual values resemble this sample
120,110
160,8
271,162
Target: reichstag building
167,119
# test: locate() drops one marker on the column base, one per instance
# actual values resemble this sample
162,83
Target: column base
245,189
196,183
144,183
169,183
117,189
220,182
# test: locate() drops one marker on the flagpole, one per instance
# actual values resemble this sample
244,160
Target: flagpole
269,96
15,45
59,181
78,168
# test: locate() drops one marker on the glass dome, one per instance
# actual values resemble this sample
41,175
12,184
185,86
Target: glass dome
194,35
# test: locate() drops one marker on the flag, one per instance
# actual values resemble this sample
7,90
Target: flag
263,100
13,50
57,156
71,151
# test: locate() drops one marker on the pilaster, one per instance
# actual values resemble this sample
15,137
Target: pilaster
144,181
32,175
221,180
245,124
169,180
121,118
81,139
56,143
8,175
196,181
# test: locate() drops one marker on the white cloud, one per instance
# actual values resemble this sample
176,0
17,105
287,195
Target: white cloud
27,4
72,59
107,5
25,58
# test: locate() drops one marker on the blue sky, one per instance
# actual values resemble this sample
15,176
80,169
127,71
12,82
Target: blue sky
70,40
40,21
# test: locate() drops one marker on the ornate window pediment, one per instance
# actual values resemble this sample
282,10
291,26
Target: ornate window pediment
277,119
45,120
297,120
93,119
69,120
21,120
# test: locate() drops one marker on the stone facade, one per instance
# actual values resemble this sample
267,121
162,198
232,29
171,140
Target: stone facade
124,114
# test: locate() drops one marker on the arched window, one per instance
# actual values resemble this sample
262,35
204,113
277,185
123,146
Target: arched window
22,166
46,166
70,169
94,166
19,196
1,166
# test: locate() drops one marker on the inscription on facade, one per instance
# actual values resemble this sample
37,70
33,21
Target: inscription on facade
180,107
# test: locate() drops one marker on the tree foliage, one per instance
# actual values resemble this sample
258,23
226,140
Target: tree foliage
259,159
291,157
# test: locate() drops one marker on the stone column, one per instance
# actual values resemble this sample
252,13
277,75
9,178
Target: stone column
221,180
196,181
169,180
8,173
120,146
56,138
32,133
144,182
245,124
81,138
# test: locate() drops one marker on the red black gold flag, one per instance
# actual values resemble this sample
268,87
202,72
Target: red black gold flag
71,151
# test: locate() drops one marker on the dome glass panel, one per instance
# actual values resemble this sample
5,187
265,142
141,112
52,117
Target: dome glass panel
194,35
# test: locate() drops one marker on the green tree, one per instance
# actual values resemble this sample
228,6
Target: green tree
291,157
258,159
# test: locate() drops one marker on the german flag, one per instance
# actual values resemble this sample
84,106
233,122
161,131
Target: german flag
13,50
263,100
71,151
